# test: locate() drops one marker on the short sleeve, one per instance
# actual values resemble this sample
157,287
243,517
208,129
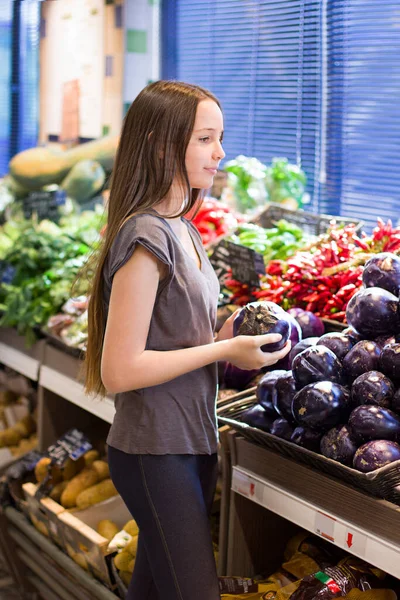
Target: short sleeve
146,230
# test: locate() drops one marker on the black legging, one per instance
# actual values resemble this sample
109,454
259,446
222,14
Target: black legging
170,497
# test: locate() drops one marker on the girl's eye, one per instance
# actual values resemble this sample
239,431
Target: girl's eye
205,139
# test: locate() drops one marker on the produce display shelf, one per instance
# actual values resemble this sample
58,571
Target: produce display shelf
49,568
73,391
366,527
19,361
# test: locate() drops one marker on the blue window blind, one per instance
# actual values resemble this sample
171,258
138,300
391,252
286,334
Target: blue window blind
29,74
363,112
5,79
19,77
262,60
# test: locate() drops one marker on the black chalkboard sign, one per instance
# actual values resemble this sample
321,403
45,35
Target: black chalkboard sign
246,264
72,444
44,204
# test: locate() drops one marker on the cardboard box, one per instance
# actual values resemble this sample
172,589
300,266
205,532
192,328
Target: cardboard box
81,540
44,514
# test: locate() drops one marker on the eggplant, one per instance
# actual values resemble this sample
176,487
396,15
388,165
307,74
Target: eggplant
257,416
307,438
390,361
295,337
363,357
321,405
396,402
373,312
376,454
339,343
257,318
267,390
311,325
353,335
285,391
339,444
384,340
300,346
236,378
316,363
370,422
383,271
282,429
372,387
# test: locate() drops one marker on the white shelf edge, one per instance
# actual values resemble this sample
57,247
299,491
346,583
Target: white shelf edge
72,390
20,362
374,550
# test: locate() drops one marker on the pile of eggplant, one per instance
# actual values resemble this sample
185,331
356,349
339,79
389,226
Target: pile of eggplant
339,394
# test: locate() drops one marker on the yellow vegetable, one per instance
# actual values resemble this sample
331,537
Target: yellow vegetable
126,577
85,479
96,493
90,457
122,560
9,437
72,468
102,469
57,490
131,565
132,545
42,469
131,528
108,529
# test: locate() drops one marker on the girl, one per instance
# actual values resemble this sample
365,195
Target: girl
152,314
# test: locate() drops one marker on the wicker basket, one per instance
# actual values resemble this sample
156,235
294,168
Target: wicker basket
310,223
383,482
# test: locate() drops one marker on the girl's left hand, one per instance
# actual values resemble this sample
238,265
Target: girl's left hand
226,331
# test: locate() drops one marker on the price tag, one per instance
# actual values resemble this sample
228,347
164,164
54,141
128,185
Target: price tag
325,526
246,264
247,486
44,204
73,444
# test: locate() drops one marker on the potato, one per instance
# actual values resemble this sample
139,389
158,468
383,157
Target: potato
57,491
126,577
85,479
102,469
90,457
122,560
96,493
72,468
131,528
10,437
131,565
42,469
132,545
108,529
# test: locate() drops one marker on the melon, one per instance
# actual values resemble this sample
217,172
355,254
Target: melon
84,180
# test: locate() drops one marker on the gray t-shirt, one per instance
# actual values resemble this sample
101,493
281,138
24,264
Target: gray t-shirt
177,417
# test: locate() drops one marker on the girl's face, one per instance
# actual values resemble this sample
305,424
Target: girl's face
204,151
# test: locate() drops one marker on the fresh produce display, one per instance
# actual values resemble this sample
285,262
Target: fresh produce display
342,396
252,183
40,264
277,243
215,219
323,276
38,167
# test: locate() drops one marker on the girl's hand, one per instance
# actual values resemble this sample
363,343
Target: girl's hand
245,352
226,331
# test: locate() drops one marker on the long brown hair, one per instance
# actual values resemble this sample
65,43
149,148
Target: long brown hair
150,157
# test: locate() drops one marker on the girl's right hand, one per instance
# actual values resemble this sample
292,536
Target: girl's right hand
244,351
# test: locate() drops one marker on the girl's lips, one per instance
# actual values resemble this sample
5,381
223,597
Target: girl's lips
212,171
